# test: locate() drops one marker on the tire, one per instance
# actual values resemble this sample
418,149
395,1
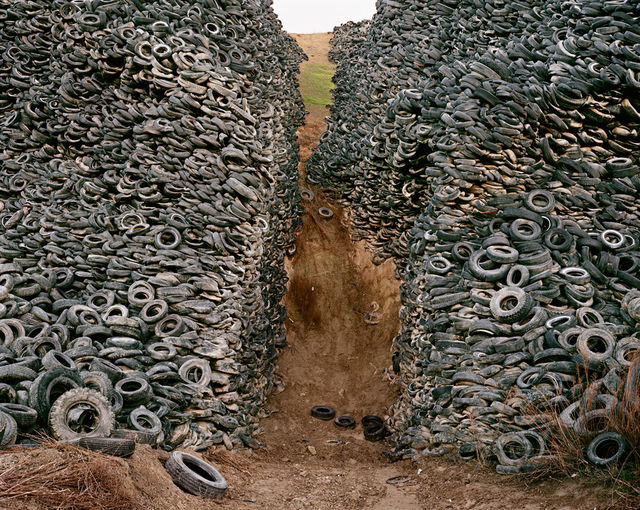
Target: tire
375,432
7,393
114,372
114,446
345,422
323,412
502,254
487,275
8,430
519,311
49,386
557,239
82,400
505,449
135,391
325,213
15,373
98,381
600,417
306,194
196,371
606,449
143,420
596,338
533,201
57,359
137,436
371,420
195,476
25,416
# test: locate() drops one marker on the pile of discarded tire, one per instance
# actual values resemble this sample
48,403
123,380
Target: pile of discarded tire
148,193
505,186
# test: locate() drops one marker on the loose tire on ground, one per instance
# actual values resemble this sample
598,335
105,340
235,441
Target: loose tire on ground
195,476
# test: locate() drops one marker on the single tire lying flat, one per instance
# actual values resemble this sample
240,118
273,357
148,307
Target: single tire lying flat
115,446
323,412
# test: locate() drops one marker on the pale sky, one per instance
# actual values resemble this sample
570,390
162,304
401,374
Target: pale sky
311,16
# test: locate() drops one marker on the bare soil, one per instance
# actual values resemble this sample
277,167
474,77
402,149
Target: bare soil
333,358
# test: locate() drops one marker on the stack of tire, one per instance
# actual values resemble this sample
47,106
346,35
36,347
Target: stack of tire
148,193
505,184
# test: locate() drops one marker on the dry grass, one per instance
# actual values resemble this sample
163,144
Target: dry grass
63,476
565,456
223,457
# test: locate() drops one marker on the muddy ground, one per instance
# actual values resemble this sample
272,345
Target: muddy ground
332,358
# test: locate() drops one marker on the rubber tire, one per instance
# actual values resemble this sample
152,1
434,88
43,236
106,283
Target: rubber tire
58,415
371,420
180,466
516,314
325,213
8,430
15,373
24,416
375,432
137,436
57,359
114,446
514,437
345,422
143,413
40,390
138,396
323,412
595,458
98,381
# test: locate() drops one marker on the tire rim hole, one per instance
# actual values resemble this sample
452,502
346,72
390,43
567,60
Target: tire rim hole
607,449
82,418
197,469
597,344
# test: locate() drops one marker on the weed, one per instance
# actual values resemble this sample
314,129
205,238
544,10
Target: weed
69,478
315,85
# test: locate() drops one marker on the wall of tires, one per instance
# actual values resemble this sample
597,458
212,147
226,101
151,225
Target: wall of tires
491,149
148,192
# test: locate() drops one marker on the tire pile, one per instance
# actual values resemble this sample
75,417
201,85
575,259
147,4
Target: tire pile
148,193
503,179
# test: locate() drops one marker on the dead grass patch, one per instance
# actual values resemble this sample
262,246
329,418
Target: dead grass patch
565,455
63,476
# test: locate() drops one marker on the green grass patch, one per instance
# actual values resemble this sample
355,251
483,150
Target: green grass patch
316,84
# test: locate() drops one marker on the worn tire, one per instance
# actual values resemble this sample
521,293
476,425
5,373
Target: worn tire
71,405
137,436
606,448
25,416
323,412
8,430
519,311
143,420
114,446
195,476
375,432
345,422
50,385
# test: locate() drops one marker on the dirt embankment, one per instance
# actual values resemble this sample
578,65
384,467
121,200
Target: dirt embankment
333,358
